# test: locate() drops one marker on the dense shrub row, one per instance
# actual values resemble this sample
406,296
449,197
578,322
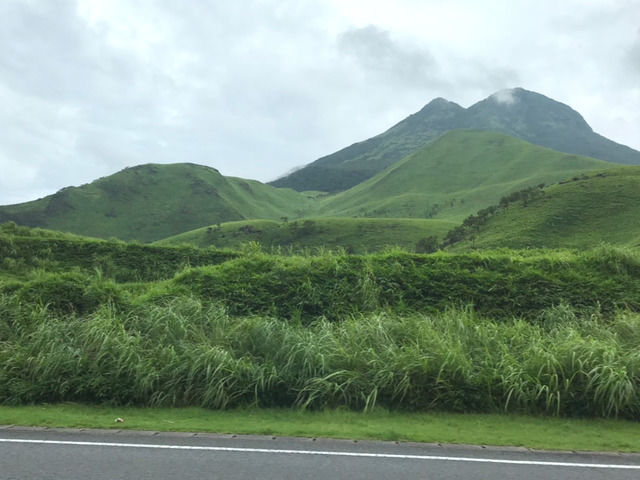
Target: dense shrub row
496,284
334,286
118,260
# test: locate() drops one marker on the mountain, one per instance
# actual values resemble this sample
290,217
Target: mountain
454,176
517,112
154,201
360,161
580,213
543,121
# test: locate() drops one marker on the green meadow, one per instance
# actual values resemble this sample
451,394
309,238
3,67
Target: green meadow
354,235
456,175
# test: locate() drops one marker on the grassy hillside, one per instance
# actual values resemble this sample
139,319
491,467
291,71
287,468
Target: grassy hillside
581,213
355,235
150,202
461,172
517,112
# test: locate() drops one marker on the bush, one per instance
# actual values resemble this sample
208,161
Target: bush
70,292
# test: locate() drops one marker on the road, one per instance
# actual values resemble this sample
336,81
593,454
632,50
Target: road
48,454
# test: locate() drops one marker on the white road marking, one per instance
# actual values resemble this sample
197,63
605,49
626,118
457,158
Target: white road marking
326,453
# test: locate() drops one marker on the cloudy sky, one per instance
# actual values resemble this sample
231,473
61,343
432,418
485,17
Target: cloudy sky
255,88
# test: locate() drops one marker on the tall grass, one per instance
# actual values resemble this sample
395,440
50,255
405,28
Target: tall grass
187,352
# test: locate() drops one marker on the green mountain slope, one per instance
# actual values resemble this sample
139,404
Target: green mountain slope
355,235
516,112
582,213
153,201
461,172
360,161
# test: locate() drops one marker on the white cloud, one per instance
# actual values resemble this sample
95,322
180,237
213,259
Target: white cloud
504,96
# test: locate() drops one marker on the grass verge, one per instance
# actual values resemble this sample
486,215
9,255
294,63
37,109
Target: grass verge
475,429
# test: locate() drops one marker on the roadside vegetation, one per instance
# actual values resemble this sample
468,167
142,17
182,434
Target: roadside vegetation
541,432
535,332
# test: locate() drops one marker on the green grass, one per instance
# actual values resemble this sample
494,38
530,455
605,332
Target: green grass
355,235
456,175
187,353
150,202
581,213
475,429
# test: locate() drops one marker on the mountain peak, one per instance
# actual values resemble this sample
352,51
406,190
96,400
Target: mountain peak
530,116
439,104
507,96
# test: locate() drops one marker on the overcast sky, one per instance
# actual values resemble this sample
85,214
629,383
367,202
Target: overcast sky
256,88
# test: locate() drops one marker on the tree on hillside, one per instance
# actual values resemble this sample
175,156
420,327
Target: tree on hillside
427,245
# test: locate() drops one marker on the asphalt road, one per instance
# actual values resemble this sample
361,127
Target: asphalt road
48,454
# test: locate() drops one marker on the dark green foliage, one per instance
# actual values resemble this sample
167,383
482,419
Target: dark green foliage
552,332
22,249
499,285
427,245
70,292
473,223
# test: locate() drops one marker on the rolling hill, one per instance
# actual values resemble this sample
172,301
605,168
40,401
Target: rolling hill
355,235
456,175
580,213
517,112
150,202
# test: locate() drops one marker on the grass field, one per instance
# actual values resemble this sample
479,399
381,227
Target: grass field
476,429
150,202
355,235
456,175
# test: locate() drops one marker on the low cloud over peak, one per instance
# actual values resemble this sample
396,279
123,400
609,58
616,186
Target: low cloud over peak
505,96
